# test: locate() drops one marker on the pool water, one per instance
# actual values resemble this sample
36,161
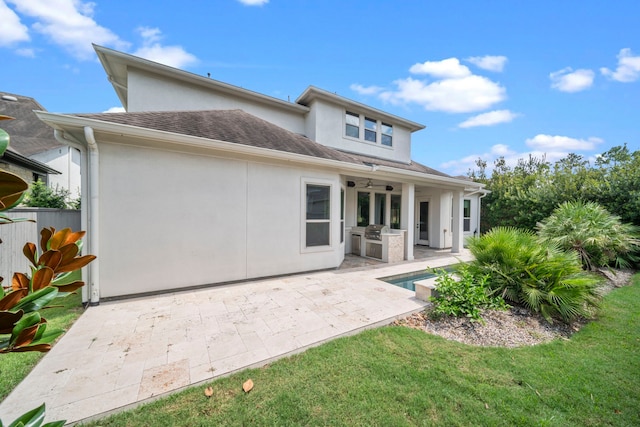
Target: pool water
407,280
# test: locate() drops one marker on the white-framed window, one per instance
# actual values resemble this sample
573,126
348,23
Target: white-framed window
380,208
387,134
317,230
396,203
467,215
352,125
373,130
363,209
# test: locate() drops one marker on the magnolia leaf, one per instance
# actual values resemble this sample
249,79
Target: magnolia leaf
208,391
42,278
69,252
67,278
36,300
12,189
45,235
4,141
51,259
31,252
20,281
8,320
43,348
10,300
247,386
69,288
76,263
59,238
34,417
25,330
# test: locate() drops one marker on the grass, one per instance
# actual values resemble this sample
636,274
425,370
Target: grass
15,366
398,376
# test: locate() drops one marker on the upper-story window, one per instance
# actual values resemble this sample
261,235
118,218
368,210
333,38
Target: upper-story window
387,134
370,132
374,130
352,125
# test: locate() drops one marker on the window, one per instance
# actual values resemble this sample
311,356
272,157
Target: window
374,130
381,201
387,134
363,209
467,215
395,211
318,219
370,126
352,125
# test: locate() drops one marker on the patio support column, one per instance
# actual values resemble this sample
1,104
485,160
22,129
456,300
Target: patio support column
407,218
458,233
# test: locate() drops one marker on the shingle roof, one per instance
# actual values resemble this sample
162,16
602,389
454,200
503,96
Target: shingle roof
29,135
239,127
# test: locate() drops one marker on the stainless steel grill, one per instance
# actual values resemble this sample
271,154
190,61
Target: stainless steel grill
374,231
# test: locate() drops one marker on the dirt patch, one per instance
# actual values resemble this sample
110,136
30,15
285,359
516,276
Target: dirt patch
515,327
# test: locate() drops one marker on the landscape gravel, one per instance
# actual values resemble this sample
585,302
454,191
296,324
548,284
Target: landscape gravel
515,327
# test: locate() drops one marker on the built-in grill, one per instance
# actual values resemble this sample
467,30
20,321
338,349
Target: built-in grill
374,231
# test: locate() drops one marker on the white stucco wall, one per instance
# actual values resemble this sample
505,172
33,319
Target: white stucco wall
326,125
65,160
172,220
151,92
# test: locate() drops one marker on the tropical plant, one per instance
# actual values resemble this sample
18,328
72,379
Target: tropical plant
463,294
55,272
540,276
599,238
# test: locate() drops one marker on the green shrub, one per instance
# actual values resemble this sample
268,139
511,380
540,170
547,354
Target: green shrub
464,297
596,235
539,275
42,196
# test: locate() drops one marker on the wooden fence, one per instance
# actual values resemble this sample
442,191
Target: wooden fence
14,236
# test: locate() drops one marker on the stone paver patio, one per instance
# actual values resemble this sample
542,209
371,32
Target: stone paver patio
123,353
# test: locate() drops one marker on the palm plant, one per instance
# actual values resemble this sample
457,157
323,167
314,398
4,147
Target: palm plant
540,276
599,238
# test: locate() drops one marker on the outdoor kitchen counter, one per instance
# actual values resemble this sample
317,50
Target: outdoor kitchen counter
390,247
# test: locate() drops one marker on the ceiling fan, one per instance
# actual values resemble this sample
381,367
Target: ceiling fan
370,185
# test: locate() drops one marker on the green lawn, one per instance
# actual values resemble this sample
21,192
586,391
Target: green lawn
395,376
15,366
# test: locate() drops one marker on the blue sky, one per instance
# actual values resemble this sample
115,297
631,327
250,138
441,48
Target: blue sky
487,78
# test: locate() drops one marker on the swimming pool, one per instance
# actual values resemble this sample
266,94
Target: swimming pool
407,280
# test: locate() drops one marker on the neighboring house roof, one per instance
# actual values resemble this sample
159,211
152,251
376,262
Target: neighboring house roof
313,92
29,135
11,156
240,127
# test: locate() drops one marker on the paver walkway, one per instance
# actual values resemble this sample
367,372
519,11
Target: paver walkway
126,352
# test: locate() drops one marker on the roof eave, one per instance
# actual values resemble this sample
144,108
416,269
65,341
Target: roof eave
116,63
312,92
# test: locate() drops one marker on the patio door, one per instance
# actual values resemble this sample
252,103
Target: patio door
422,226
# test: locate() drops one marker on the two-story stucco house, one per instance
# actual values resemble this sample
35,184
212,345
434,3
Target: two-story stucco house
201,182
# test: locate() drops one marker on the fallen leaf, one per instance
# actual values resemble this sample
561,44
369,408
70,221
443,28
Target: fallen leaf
486,405
208,391
247,386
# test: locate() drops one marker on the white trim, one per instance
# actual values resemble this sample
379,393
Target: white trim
305,181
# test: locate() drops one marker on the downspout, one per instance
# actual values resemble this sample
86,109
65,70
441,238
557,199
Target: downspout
93,214
69,140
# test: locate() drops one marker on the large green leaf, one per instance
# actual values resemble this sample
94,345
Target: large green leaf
12,189
36,300
67,278
4,141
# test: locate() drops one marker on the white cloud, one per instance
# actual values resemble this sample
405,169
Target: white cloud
12,30
26,52
115,110
460,95
254,2
628,67
445,69
567,80
70,24
562,143
489,62
489,119
174,56
365,90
